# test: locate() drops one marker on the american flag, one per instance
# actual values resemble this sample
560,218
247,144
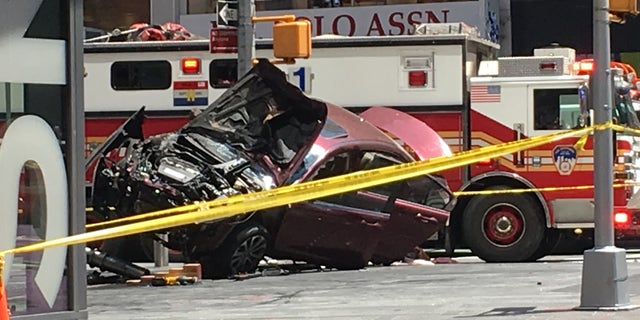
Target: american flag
484,93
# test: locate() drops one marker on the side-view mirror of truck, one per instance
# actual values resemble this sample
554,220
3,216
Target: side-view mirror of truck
585,109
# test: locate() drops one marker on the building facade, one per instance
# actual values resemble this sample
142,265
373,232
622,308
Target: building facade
342,17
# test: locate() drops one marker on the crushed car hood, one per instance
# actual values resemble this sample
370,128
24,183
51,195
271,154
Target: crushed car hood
262,114
413,132
131,128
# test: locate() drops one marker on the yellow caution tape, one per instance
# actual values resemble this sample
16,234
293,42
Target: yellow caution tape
624,129
516,145
547,189
189,208
157,214
579,145
223,208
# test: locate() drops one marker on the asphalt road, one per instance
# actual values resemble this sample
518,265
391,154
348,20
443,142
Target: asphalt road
469,289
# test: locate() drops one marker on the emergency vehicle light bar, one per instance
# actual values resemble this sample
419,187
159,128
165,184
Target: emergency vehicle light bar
583,67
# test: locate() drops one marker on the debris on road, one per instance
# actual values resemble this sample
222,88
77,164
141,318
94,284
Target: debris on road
190,273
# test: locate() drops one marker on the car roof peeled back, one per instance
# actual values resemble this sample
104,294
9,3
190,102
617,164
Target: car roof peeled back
347,126
411,132
264,114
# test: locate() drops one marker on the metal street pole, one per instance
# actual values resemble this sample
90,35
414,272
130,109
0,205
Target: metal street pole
604,270
246,46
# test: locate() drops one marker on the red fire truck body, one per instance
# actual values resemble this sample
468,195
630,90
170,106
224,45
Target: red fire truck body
435,77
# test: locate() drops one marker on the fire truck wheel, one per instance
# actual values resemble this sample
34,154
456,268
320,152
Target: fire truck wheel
240,253
503,227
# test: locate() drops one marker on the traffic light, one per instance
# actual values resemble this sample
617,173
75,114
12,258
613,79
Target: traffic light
624,6
618,9
292,39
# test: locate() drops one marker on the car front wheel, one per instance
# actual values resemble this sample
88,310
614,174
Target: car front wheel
240,253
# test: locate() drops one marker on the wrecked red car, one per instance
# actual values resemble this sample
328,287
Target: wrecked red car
260,134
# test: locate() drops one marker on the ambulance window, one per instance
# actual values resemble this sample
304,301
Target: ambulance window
556,109
223,73
141,75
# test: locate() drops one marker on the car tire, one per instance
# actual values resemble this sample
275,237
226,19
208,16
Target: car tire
240,253
503,228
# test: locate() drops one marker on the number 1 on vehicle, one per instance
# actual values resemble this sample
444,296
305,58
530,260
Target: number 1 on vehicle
301,77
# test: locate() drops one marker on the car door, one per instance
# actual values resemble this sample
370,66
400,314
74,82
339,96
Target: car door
415,208
338,230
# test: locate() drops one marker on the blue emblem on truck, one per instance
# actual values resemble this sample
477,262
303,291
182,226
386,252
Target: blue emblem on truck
565,159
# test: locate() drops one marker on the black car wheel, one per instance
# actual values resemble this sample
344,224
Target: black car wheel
504,228
240,253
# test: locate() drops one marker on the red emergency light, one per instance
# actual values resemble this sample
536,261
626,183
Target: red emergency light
417,78
583,67
190,65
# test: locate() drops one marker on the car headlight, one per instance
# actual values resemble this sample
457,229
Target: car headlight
178,170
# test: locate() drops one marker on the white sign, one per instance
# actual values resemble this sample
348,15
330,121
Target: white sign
373,20
228,13
26,60
30,138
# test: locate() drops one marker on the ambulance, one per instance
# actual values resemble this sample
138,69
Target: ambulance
443,74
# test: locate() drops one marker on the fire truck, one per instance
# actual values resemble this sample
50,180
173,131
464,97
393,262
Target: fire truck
445,75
